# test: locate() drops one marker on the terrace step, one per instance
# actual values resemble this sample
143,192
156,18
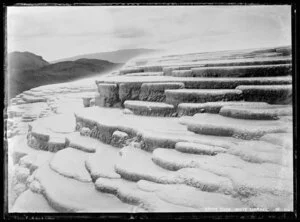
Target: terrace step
275,94
189,109
136,165
129,88
169,70
213,124
149,108
197,82
70,163
182,73
145,74
69,195
156,91
166,133
84,143
42,140
223,164
106,185
262,152
32,99
108,95
50,133
32,93
198,199
282,139
156,197
254,62
130,70
56,143
248,179
175,97
174,160
243,71
197,148
18,148
271,113
236,62
61,124
152,140
101,164
33,161
38,203
151,68
146,200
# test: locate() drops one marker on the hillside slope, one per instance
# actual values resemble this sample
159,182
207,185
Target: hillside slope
25,61
119,56
26,72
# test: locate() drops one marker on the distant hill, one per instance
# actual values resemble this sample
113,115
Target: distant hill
27,70
119,56
25,61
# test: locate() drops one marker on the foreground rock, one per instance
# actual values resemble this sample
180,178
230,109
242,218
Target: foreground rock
69,195
248,179
70,162
146,200
30,202
102,163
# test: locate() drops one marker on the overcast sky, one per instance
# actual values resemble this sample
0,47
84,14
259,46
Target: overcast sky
65,31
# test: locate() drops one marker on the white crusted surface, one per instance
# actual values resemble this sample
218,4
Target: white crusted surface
70,162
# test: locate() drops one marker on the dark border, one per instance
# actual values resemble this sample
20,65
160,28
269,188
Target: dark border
143,3
221,215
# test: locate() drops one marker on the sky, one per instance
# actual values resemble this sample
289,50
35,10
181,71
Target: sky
56,32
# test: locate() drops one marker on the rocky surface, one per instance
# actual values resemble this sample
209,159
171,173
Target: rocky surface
118,146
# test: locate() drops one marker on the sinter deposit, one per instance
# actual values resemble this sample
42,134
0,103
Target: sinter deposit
169,134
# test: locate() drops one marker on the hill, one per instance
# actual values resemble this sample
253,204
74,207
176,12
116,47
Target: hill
26,71
119,56
25,61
